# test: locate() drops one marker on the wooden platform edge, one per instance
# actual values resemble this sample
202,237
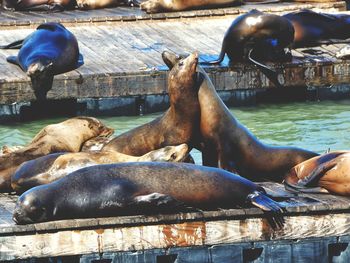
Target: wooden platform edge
198,233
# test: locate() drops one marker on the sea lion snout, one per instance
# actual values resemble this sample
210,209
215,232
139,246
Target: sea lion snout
38,68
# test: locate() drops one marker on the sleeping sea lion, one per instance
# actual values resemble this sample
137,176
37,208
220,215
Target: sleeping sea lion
227,144
67,136
38,5
179,124
328,172
131,188
95,4
255,37
314,29
156,6
48,51
56,166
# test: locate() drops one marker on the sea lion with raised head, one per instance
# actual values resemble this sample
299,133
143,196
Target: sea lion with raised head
48,51
179,124
131,188
56,166
328,172
257,36
313,29
66,136
227,144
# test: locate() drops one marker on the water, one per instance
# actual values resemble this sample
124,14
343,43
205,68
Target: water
315,126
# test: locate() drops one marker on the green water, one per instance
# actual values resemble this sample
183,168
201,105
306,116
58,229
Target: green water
315,126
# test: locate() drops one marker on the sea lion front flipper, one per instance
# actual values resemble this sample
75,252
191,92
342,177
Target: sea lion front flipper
48,8
316,174
270,207
12,60
133,3
14,45
80,61
268,72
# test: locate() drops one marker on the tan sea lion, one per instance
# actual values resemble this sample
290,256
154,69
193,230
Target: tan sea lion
131,188
33,173
67,136
328,172
179,124
156,6
229,145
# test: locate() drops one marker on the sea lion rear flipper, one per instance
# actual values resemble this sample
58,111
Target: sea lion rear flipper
13,60
268,72
272,208
14,45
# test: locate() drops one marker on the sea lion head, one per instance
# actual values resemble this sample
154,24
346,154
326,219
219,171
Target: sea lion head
32,206
41,75
169,154
96,127
182,79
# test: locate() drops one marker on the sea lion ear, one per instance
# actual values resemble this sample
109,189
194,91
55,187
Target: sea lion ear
170,59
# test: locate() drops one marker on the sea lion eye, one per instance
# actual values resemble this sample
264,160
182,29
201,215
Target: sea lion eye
173,156
181,63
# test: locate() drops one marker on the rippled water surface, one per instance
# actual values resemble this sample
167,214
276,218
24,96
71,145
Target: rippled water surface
315,126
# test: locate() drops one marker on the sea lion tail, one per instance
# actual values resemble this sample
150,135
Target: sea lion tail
14,45
269,206
268,72
218,60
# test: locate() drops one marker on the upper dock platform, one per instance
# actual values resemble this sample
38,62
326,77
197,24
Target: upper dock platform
122,51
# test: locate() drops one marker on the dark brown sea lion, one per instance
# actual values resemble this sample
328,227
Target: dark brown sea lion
156,6
67,136
328,172
95,4
255,37
179,124
130,188
313,29
229,145
48,51
56,166
37,5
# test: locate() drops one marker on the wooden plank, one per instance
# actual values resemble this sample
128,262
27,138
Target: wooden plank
186,234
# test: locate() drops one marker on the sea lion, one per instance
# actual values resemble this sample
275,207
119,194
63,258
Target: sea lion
328,172
38,5
67,136
227,144
313,29
179,124
127,188
95,4
48,51
56,166
156,6
255,37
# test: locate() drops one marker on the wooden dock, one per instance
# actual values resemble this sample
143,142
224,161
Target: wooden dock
316,230
122,52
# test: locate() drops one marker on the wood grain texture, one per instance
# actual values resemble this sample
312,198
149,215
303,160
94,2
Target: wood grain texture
124,59
198,233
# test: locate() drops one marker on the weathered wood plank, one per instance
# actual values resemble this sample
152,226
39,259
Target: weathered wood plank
186,234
